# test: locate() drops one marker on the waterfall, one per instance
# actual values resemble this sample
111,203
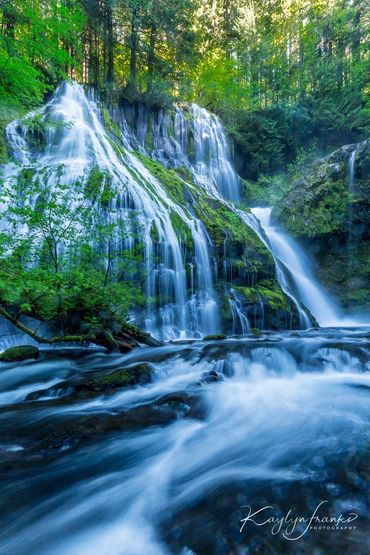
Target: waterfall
76,142
211,158
351,169
64,142
198,142
240,320
289,253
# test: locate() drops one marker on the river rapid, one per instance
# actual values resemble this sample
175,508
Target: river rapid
278,422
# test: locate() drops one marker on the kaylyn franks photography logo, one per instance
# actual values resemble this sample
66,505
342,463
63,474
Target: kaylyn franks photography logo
293,526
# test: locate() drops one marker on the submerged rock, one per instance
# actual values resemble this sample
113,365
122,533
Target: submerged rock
22,352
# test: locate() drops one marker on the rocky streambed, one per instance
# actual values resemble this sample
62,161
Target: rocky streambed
167,450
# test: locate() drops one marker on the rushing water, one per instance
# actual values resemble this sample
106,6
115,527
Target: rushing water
167,467
318,301
181,300
76,142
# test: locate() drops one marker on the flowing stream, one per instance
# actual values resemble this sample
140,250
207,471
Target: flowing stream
167,467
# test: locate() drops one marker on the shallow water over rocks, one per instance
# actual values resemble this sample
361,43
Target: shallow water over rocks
93,464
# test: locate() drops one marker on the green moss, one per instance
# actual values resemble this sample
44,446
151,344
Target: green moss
121,378
316,199
267,291
149,139
255,331
225,309
169,179
215,337
22,352
181,229
94,183
222,223
185,173
110,125
3,145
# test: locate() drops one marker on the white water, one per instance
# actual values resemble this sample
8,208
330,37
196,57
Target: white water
319,302
289,415
185,303
76,142
209,162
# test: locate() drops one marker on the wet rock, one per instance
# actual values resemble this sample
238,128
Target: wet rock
215,337
22,352
88,387
208,377
183,404
64,434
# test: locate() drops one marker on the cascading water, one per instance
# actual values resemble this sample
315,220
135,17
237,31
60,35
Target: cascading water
352,190
168,468
185,303
76,142
198,142
285,249
195,139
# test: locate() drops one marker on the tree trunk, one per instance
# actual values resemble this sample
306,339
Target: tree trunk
110,43
151,56
133,52
8,20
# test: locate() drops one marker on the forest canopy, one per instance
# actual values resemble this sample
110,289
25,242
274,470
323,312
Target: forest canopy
286,71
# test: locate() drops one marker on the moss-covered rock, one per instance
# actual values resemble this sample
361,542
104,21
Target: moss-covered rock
168,178
215,337
100,383
267,291
329,210
21,352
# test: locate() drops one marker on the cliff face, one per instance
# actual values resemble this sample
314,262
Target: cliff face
328,209
160,210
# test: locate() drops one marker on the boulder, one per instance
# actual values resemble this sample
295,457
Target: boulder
21,352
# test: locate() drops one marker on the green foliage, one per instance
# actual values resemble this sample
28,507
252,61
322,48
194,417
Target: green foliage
281,74
35,46
59,261
72,301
